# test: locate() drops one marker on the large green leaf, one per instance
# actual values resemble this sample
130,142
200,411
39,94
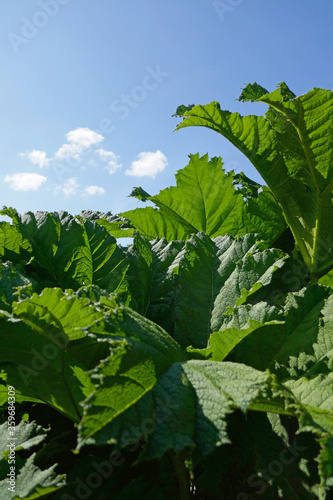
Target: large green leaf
260,463
139,258
10,279
147,389
165,263
70,252
105,261
195,284
291,147
205,199
13,246
222,343
306,362
287,348
183,407
42,347
117,226
176,404
298,347
45,349
41,369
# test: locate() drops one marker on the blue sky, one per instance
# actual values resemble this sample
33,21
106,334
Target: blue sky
87,89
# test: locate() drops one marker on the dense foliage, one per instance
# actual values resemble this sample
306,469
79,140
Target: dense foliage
196,362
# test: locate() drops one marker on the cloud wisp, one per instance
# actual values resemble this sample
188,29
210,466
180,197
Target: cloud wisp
78,140
81,150
71,187
81,147
149,164
68,188
93,190
111,158
36,157
25,181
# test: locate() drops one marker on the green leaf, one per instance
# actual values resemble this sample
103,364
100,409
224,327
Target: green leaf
47,340
252,92
42,348
140,194
309,422
70,253
250,189
10,279
27,435
262,215
182,407
291,147
139,258
117,226
107,262
299,351
288,348
204,280
205,200
13,246
182,109
140,348
41,370
307,364
222,343
165,264
327,279
124,322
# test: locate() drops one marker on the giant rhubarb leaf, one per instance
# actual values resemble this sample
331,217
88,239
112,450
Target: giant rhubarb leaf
13,246
292,149
180,405
68,252
195,284
295,343
43,348
205,199
176,404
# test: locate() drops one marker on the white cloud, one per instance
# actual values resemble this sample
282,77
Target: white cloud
78,140
24,181
36,157
149,164
93,190
81,143
69,187
105,155
112,159
84,136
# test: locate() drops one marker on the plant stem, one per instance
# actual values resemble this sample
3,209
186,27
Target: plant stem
182,475
314,280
